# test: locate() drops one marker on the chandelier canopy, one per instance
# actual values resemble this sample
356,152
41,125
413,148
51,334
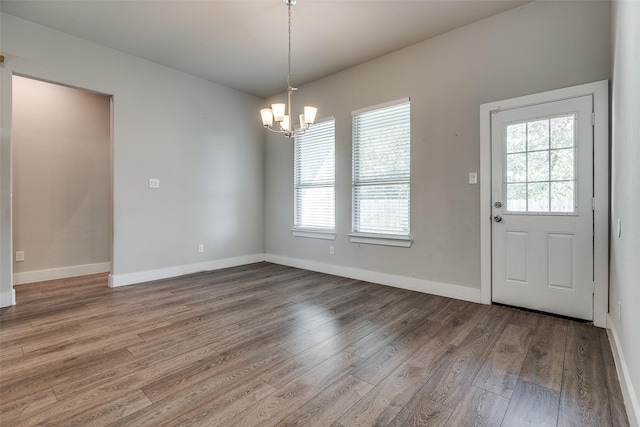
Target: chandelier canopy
280,112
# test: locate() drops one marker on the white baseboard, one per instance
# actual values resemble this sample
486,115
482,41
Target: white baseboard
631,402
116,280
8,298
420,285
413,284
60,273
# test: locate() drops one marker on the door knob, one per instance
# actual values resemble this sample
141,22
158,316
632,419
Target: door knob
497,218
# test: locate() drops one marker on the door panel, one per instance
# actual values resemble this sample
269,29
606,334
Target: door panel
516,253
542,190
560,260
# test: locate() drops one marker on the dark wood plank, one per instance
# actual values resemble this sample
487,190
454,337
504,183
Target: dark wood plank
532,405
452,379
480,408
422,411
463,321
499,373
545,361
383,403
582,358
327,406
26,408
393,330
525,319
287,399
387,359
583,404
202,404
497,318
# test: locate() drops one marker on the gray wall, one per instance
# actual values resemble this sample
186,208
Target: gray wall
538,47
625,192
191,134
61,176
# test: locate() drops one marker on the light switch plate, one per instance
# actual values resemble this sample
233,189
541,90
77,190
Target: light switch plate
473,177
154,183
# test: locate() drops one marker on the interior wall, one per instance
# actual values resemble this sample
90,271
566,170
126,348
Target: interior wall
624,301
61,176
191,134
538,47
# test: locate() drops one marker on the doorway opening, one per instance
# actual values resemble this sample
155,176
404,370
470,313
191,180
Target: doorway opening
62,221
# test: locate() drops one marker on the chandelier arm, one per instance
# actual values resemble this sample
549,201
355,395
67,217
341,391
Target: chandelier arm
287,133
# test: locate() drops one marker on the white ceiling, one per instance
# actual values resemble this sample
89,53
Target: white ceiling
243,43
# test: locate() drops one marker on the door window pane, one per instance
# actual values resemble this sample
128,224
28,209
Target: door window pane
517,138
517,167
562,196
538,135
517,197
538,166
562,164
562,132
538,197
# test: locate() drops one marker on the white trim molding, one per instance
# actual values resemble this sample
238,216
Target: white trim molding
8,298
381,239
116,280
314,234
410,283
631,402
60,273
600,93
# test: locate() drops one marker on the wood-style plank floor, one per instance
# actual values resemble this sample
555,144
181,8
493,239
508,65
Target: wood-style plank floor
268,345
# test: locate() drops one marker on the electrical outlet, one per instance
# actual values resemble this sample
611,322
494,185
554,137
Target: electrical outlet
19,256
332,250
200,248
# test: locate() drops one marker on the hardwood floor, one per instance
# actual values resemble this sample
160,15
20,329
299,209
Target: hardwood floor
268,345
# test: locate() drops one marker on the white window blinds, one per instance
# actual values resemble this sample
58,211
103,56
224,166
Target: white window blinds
314,181
381,170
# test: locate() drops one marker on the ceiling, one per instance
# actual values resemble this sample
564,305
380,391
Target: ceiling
243,43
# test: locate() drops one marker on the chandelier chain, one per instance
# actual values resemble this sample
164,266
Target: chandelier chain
289,51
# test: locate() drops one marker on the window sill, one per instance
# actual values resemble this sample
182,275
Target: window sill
382,239
314,234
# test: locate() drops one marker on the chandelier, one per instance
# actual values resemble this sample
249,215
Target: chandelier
281,113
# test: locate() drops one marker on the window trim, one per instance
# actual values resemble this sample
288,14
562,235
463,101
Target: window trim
381,239
314,233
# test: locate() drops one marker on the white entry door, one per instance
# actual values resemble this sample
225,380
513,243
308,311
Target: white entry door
542,207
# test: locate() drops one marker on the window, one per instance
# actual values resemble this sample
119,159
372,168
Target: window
540,165
314,181
381,174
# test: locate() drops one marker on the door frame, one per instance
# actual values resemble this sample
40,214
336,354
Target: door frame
600,93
